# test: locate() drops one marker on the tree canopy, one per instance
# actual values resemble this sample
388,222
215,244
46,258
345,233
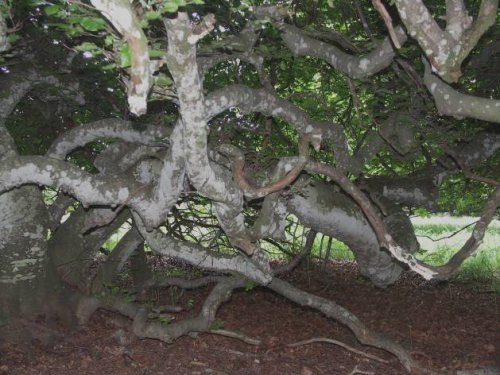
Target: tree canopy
227,134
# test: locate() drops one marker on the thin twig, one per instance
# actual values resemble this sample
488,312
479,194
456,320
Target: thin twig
339,343
236,335
388,22
451,235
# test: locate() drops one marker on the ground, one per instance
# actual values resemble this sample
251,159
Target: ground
448,327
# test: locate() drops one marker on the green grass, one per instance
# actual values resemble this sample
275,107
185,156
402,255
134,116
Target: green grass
482,267
338,250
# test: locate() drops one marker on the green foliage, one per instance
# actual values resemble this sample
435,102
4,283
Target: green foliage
249,285
217,324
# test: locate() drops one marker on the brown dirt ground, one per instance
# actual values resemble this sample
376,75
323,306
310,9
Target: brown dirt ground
448,327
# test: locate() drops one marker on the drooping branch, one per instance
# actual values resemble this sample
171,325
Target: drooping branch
453,103
471,245
318,206
384,238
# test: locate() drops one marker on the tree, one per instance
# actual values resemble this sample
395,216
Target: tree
240,116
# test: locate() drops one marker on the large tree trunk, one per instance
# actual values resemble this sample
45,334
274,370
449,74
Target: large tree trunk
23,254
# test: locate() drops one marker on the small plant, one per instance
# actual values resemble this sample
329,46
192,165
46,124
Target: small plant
249,285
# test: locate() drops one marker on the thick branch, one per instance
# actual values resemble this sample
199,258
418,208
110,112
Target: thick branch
266,102
108,128
353,66
453,103
89,189
446,49
386,240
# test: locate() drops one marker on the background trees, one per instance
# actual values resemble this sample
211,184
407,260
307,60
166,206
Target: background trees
204,126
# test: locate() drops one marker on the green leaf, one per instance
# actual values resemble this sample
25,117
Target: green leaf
52,9
154,53
12,38
217,324
125,56
87,46
108,41
249,285
152,15
92,23
163,80
169,8
109,67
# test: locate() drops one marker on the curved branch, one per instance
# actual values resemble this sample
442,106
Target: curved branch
386,240
211,181
259,192
107,128
87,188
268,103
353,66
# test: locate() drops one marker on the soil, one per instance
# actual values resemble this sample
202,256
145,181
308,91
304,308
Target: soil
448,327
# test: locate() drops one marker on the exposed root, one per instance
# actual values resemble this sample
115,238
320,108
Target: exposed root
221,292
339,343
332,310
156,330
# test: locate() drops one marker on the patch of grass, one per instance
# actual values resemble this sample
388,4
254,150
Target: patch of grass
333,249
436,229
483,267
